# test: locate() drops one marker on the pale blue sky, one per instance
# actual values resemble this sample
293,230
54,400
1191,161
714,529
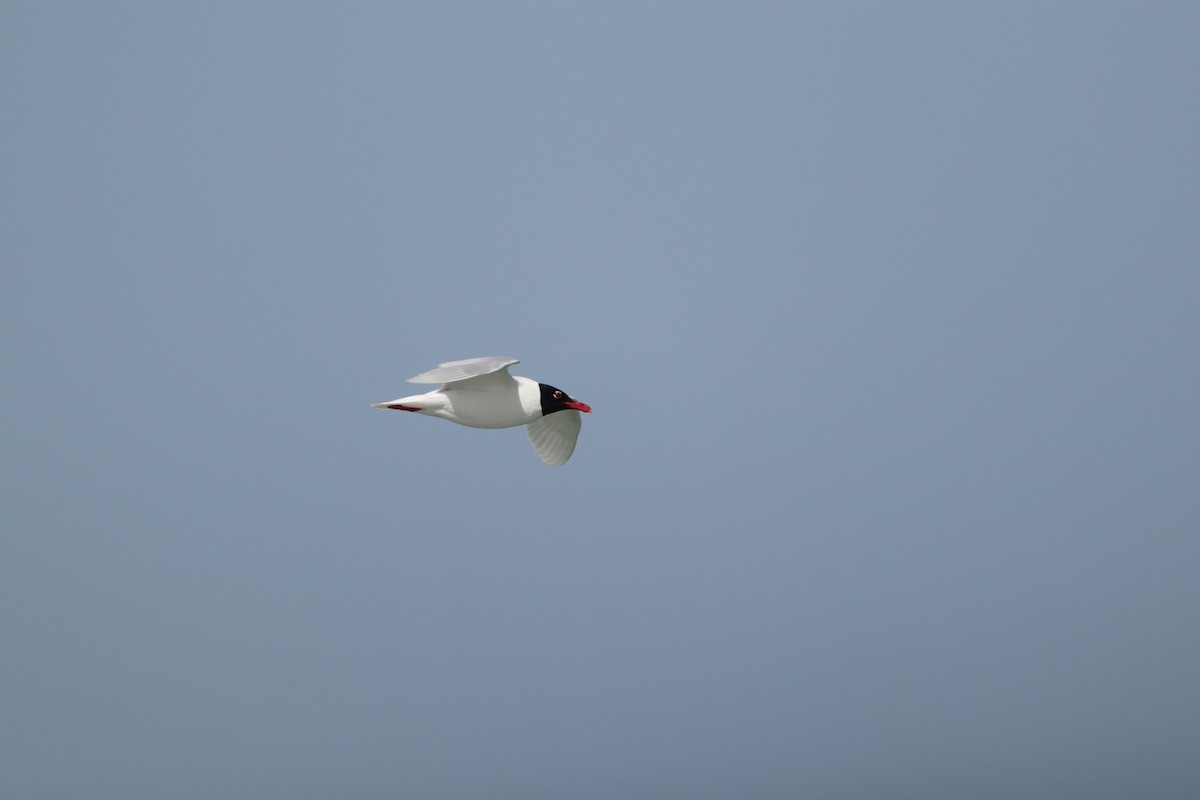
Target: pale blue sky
888,314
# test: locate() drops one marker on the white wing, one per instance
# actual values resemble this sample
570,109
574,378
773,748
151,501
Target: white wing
553,437
465,369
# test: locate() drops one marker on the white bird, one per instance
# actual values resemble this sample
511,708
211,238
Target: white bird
480,393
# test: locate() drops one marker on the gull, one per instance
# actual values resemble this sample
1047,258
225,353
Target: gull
480,393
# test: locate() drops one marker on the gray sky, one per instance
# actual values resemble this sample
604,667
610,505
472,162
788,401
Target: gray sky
888,314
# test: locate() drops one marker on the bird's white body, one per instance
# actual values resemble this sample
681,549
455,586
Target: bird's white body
497,404
480,393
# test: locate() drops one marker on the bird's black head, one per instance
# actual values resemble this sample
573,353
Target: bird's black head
558,400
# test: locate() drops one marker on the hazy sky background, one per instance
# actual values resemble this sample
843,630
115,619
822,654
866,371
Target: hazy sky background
889,314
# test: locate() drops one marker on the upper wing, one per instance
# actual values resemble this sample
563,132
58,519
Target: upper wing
463,370
553,437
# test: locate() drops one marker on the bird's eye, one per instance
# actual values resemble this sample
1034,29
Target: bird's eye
558,395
